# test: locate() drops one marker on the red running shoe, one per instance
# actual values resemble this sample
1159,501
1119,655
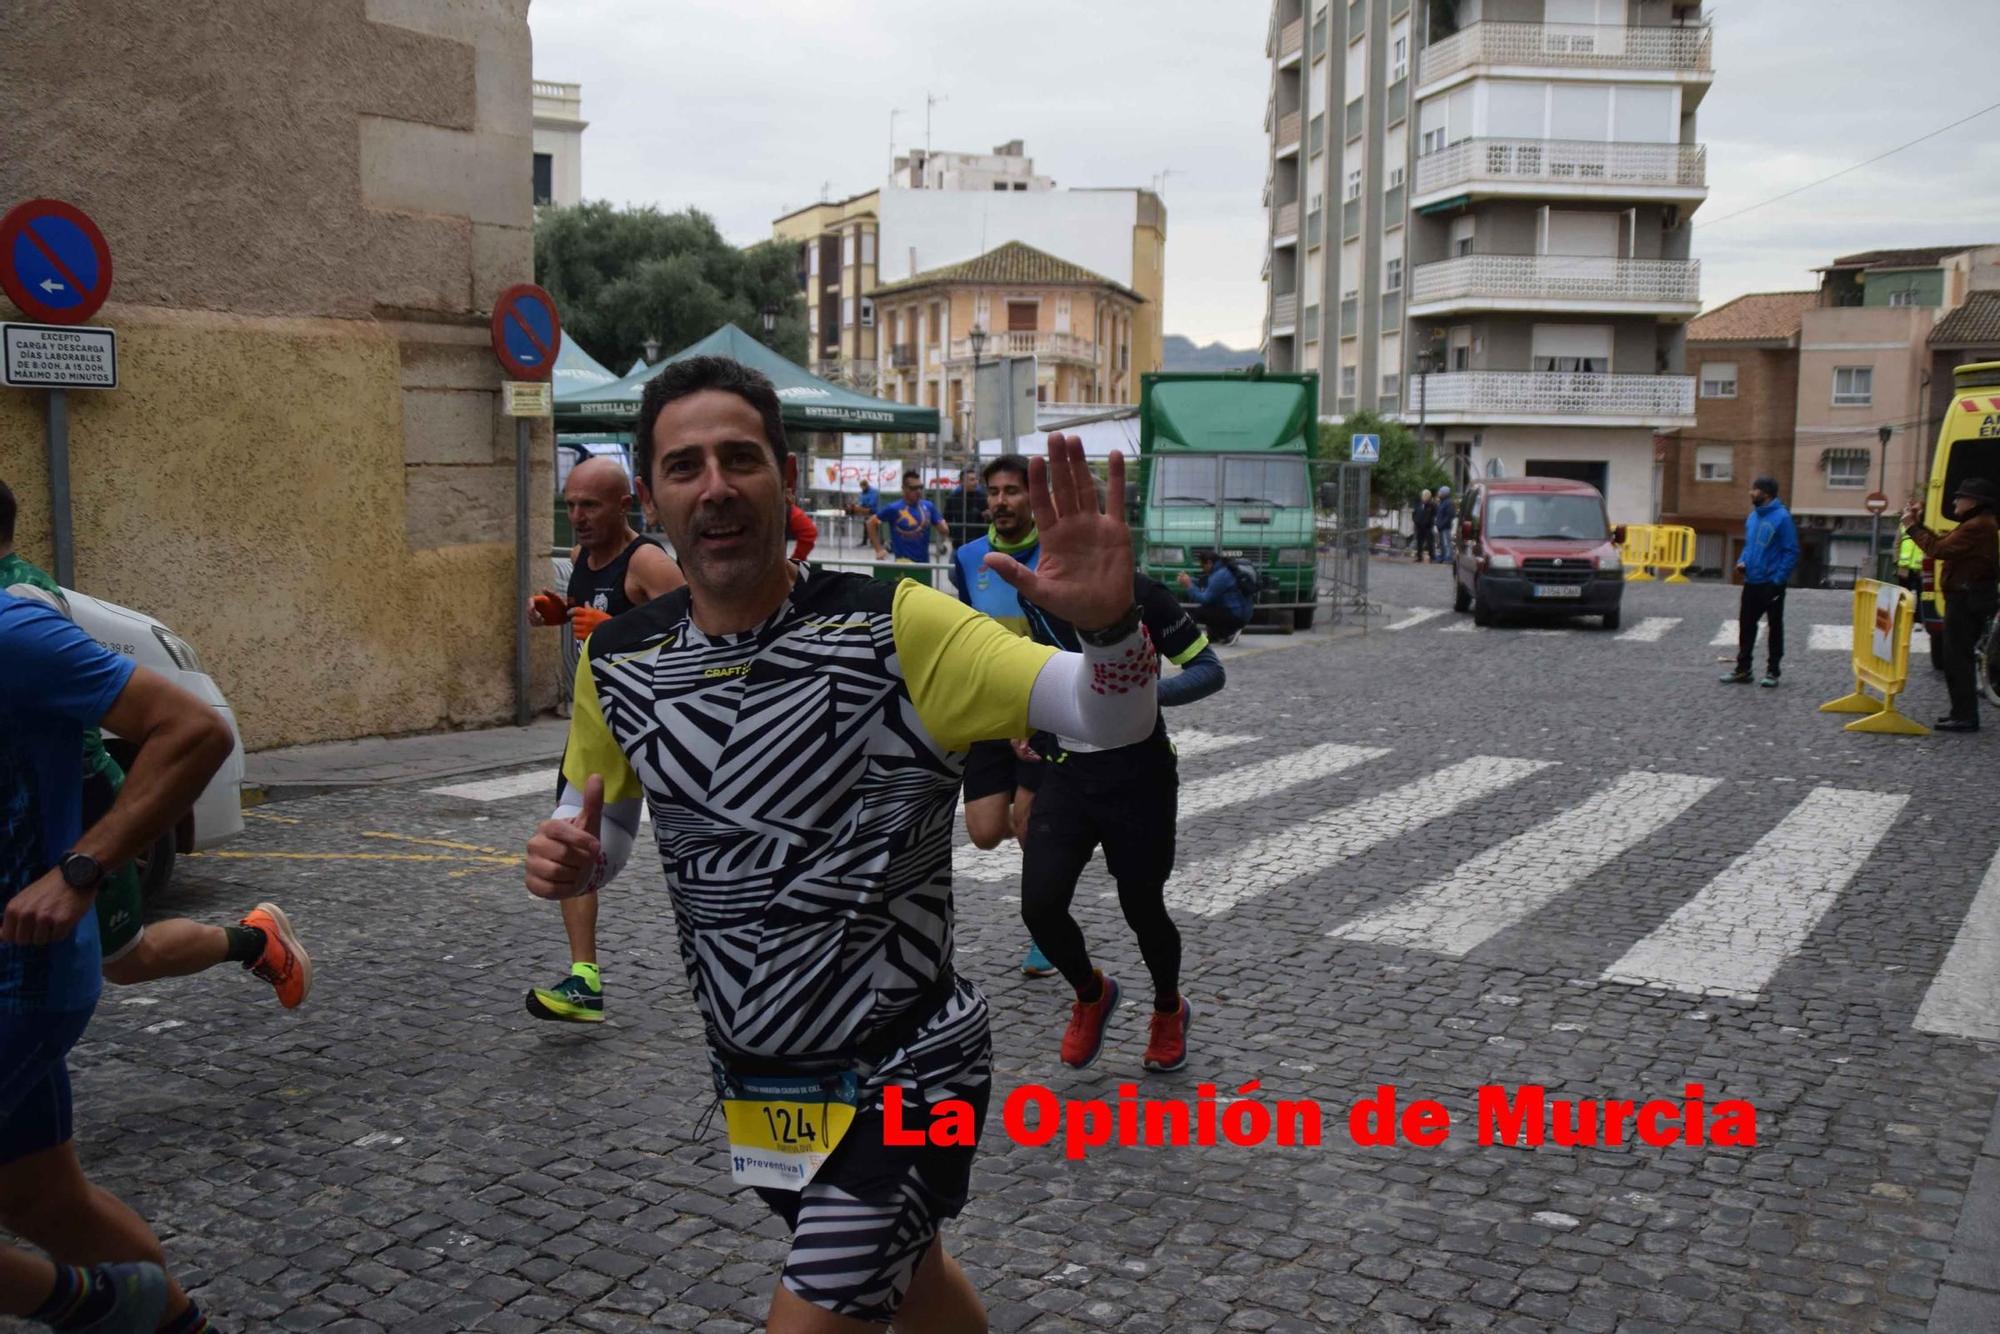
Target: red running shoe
284,962
1166,1045
1084,1037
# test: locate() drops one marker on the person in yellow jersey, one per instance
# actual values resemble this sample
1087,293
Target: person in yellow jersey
799,735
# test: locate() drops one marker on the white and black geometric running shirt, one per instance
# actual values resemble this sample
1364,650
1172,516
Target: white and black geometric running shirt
802,779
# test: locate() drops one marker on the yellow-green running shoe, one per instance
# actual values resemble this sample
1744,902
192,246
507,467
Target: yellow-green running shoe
572,1000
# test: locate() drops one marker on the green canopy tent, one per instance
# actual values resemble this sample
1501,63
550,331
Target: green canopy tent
809,403
576,371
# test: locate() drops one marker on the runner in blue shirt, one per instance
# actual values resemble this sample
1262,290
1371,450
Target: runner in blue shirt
55,681
911,522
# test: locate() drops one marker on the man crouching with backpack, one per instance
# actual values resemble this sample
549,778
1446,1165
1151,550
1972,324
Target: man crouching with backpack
1227,601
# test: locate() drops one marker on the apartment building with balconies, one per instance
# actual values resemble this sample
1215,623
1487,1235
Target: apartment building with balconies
1338,120
837,245
1556,167
1013,301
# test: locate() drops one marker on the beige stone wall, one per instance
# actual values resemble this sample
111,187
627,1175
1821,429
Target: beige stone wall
304,470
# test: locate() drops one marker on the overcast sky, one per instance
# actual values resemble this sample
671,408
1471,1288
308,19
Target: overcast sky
747,108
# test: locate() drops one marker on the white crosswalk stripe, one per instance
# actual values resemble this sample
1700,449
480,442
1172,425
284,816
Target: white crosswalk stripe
1964,997
1251,782
1504,885
1457,628
1727,635
500,789
1651,630
1733,936
1216,884
1832,638
1194,741
1417,616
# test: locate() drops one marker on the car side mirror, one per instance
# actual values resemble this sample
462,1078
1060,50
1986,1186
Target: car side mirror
1618,535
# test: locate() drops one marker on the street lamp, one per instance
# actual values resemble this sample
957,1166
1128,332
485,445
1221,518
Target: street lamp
769,315
977,337
652,348
1423,385
1875,526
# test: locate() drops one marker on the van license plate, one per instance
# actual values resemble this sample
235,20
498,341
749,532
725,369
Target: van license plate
1558,590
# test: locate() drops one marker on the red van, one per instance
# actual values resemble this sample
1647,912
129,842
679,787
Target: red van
1537,544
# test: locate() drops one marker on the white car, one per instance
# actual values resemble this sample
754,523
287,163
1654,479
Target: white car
217,815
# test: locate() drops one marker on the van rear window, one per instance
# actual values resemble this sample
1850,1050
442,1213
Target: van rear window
1969,459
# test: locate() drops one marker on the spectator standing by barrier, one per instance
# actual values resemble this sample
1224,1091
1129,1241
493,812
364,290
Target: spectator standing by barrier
1423,516
1970,582
1770,554
966,509
1447,516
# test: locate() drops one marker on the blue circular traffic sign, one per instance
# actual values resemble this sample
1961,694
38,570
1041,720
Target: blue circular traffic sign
526,331
54,263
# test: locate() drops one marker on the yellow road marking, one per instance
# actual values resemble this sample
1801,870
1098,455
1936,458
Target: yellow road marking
274,819
439,843
358,857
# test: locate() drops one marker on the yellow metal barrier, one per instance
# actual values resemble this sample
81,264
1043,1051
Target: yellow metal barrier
1637,553
1883,615
1673,549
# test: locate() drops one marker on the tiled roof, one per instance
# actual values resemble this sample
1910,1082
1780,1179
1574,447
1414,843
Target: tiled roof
1974,324
1753,318
1011,265
1918,258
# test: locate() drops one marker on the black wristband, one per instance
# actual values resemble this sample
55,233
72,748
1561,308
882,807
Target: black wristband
1116,633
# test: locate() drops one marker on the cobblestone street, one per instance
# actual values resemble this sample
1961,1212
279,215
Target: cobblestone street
1420,855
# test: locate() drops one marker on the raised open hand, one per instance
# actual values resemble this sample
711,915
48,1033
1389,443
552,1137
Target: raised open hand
1084,573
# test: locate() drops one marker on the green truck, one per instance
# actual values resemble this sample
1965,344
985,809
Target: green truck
1224,464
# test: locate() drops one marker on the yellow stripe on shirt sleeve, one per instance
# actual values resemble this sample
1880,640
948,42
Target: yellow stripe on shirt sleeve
969,676
1186,655
592,749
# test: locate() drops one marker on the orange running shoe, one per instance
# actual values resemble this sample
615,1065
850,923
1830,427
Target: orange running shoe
284,962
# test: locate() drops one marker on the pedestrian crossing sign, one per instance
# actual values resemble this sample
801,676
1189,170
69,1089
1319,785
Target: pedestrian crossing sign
1367,448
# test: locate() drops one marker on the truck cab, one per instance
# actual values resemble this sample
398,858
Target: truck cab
1224,465
1968,446
1538,545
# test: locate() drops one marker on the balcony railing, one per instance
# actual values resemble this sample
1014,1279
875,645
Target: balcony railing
1567,46
1649,399
1552,278
1011,343
1292,39
1285,310
903,355
1562,162
1288,132
1286,221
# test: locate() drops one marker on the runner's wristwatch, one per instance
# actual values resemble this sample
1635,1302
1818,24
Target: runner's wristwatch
1117,632
81,872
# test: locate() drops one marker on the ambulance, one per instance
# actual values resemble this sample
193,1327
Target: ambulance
1968,445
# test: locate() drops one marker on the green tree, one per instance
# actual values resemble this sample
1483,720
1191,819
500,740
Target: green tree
1403,469
622,275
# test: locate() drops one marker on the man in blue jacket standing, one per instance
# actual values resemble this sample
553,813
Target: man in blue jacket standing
1770,554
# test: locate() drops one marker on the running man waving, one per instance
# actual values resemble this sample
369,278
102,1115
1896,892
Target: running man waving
798,736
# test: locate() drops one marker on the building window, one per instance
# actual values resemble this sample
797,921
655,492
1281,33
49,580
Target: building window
1395,178
1000,185
812,261
1903,298
1581,349
1023,316
1461,235
1847,469
1354,184
545,178
846,311
867,247
1853,386
1392,385
1347,381
1714,463
847,250
867,312
1392,275
1718,380
1399,58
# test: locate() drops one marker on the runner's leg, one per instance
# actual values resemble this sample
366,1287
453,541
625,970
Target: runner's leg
46,1200
580,925
176,947
1061,837
989,787
1139,853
